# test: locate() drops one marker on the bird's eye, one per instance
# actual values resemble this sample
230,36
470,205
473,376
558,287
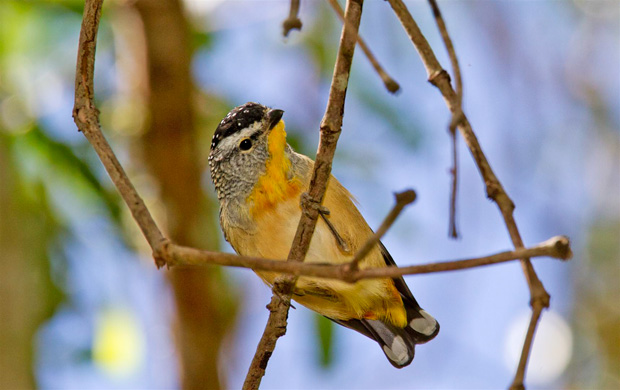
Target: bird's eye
246,144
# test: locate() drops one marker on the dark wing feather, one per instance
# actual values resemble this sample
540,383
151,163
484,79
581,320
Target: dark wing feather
401,286
398,344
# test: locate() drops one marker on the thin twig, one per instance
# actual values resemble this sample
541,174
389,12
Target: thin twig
311,201
402,200
388,81
292,22
517,383
453,231
457,114
86,118
456,70
539,298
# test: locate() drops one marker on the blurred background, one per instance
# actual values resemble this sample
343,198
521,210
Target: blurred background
82,305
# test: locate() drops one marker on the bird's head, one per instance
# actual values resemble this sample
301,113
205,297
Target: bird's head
247,143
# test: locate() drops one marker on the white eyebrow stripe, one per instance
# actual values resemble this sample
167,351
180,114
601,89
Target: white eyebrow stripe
233,139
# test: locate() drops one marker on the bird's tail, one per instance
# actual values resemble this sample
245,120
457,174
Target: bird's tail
397,343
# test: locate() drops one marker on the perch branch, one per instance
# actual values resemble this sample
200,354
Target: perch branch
292,22
86,117
556,247
539,298
311,201
388,81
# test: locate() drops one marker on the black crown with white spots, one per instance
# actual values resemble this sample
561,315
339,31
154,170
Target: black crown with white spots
238,119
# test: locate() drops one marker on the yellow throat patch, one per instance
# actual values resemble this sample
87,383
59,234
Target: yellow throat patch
274,185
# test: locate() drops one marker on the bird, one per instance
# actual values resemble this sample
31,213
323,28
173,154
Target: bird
259,180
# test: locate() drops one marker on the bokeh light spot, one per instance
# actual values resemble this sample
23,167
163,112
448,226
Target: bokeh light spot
552,349
118,347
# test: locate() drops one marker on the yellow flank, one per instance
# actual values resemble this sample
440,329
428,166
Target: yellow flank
274,208
396,313
274,185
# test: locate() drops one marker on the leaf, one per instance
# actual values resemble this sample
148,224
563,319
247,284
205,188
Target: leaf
321,41
325,333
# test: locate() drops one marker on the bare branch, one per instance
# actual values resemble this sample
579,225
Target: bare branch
556,247
402,200
292,22
457,115
456,70
453,231
86,117
388,81
517,383
440,79
311,201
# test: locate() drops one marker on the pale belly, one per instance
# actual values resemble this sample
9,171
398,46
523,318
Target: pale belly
272,239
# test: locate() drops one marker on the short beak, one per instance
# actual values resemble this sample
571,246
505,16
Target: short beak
273,117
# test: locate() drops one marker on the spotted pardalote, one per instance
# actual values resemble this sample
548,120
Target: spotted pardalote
259,179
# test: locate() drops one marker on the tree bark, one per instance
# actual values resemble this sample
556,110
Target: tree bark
28,295
170,150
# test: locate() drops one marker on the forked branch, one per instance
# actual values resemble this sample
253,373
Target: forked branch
457,114
539,298
167,253
390,84
311,201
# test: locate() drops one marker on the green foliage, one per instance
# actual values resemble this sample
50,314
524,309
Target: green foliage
321,40
604,245
299,143
34,27
325,333
201,40
28,229
51,159
597,314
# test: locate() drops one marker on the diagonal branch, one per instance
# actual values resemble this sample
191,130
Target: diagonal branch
86,117
517,383
388,81
311,201
456,70
165,252
402,200
539,298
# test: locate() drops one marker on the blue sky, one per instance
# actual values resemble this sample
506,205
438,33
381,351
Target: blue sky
524,68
